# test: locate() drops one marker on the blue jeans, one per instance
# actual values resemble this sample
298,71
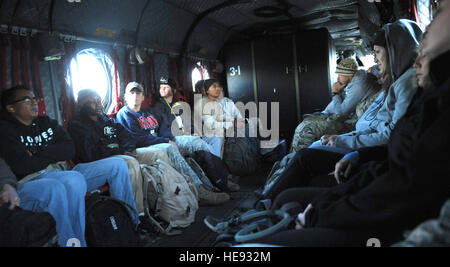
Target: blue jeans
214,144
60,193
341,150
113,171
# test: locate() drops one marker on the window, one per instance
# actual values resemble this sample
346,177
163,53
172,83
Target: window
93,69
368,61
199,73
424,13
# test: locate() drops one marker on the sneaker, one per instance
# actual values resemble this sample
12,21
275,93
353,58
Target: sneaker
233,187
211,198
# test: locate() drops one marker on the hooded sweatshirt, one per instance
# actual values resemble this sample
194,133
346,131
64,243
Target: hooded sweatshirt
362,86
99,139
28,149
144,127
410,185
376,124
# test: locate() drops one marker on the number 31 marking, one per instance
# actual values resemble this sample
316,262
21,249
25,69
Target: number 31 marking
235,71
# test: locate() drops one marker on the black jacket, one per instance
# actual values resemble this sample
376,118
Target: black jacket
406,188
100,139
164,112
28,149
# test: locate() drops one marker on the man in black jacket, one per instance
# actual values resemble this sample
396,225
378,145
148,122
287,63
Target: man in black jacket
36,149
396,186
96,136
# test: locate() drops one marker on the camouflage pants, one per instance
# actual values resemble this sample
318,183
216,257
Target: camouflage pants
315,126
177,161
189,144
432,233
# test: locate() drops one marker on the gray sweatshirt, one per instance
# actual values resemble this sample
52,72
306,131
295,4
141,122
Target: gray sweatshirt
6,175
376,124
362,86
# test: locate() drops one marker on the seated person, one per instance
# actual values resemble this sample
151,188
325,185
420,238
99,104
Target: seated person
352,88
55,196
96,136
144,128
390,190
164,108
37,148
376,124
220,116
310,162
187,144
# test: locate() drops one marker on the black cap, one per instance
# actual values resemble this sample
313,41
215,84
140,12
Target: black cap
168,81
380,38
209,82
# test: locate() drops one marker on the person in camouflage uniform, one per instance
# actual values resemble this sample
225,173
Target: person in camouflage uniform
354,90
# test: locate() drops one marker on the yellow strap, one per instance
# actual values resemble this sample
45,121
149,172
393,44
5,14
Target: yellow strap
171,110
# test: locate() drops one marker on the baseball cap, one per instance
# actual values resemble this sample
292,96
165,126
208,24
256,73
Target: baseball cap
134,85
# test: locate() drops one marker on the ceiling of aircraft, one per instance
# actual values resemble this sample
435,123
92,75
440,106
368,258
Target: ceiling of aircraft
200,27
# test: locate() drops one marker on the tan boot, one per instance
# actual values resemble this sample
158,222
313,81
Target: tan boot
233,186
211,198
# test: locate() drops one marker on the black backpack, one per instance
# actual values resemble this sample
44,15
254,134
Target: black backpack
109,223
214,168
24,228
241,155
